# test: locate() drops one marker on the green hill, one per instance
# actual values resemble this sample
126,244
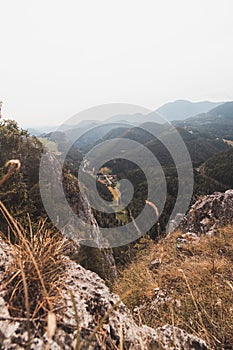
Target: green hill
220,168
217,123
200,147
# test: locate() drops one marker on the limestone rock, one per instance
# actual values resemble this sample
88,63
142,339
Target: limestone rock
96,305
209,214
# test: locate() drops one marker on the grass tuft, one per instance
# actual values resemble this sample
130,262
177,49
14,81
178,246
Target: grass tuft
33,281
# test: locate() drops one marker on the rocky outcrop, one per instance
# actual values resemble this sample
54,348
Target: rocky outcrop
102,320
209,214
82,228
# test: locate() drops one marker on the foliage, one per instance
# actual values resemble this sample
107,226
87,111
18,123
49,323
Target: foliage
20,193
220,167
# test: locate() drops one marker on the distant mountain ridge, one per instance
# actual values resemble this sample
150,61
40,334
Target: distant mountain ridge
217,122
222,112
182,109
89,132
177,110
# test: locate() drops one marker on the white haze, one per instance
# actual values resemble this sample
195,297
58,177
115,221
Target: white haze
60,57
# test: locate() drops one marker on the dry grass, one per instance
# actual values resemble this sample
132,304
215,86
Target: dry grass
33,281
192,287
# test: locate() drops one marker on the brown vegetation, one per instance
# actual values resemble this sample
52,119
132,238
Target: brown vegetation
34,279
189,285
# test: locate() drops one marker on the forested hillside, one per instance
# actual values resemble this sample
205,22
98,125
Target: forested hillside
217,123
200,149
220,167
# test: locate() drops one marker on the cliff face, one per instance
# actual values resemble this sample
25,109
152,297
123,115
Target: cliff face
102,320
97,259
74,227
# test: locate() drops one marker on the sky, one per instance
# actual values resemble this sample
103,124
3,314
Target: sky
59,57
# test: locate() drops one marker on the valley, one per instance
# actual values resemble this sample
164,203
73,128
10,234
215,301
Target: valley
116,175
154,272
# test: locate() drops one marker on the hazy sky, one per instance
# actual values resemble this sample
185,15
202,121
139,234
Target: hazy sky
59,57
